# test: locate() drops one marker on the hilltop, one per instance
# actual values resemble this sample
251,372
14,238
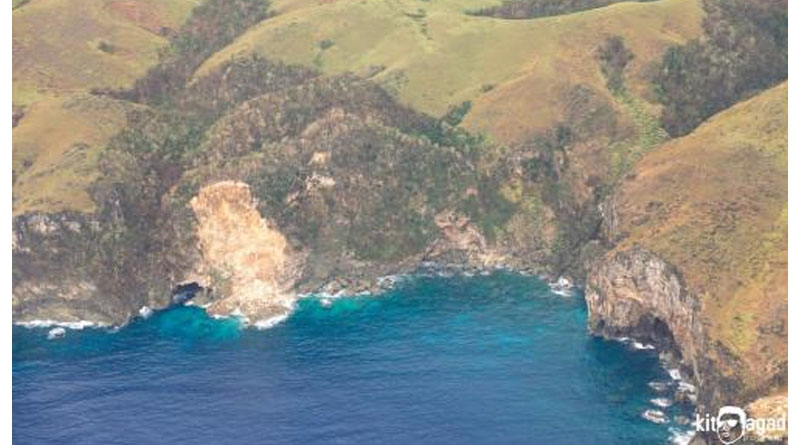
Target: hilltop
433,55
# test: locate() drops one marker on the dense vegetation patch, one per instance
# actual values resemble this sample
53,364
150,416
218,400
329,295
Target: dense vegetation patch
744,49
211,26
334,162
614,56
528,9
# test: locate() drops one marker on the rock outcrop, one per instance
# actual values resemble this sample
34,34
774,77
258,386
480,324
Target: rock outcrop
244,257
261,182
636,294
699,258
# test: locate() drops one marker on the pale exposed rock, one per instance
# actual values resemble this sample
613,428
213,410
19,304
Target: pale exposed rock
459,233
316,181
770,407
42,224
74,226
461,242
320,158
634,293
247,261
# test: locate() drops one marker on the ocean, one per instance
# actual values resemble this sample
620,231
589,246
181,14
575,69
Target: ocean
494,359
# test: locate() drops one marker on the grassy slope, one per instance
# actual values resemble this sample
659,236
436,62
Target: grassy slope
56,148
431,62
56,43
440,57
56,61
715,204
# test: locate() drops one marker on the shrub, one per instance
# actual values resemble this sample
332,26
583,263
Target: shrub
614,56
743,50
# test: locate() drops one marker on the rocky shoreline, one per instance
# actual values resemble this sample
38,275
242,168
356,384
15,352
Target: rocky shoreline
308,183
633,297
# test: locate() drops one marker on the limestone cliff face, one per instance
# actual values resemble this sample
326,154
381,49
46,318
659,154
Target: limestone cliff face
42,287
243,255
459,242
636,294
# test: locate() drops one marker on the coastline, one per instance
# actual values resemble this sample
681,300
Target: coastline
430,269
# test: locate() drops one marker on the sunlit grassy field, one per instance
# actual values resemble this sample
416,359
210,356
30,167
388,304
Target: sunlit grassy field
433,55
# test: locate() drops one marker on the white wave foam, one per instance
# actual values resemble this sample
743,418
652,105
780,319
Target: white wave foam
237,313
661,402
145,312
563,287
77,325
56,333
642,346
635,344
655,416
659,386
686,387
687,391
270,322
390,280
680,437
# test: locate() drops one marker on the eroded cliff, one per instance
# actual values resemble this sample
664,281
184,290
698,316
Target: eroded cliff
263,181
699,264
244,258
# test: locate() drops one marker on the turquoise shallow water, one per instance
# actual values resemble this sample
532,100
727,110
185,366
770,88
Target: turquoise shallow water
489,359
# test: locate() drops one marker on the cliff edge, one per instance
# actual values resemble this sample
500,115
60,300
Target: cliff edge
699,263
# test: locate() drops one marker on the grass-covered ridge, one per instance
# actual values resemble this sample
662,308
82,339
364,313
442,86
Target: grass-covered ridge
432,55
414,50
714,203
60,130
68,46
528,9
56,148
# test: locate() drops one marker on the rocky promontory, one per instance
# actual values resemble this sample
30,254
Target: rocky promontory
293,182
699,259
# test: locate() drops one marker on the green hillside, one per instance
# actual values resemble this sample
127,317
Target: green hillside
433,55
65,46
715,204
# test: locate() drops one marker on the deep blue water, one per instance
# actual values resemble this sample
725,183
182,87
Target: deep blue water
492,359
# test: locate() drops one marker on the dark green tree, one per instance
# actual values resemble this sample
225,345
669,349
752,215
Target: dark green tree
614,56
743,50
